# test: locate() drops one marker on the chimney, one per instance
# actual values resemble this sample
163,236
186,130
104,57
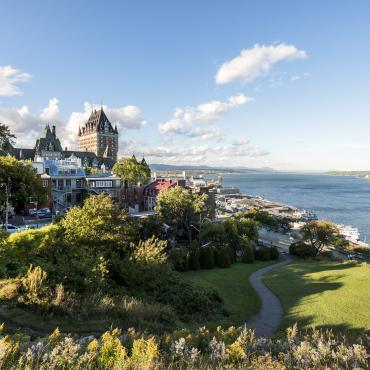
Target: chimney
53,130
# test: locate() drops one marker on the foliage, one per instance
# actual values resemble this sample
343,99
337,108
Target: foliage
129,169
301,249
274,253
319,234
6,137
247,250
207,257
194,257
263,217
179,208
180,260
94,264
223,257
23,182
229,233
262,254
232,348
214,232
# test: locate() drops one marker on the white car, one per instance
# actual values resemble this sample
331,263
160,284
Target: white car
11,228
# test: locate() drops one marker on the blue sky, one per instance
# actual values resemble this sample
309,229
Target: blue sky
174,76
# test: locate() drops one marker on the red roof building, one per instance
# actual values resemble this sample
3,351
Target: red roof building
152,190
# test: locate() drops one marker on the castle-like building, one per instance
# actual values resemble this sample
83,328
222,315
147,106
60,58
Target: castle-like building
98,136
97,139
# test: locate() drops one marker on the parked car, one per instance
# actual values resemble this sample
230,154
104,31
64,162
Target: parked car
43,213
11,228
32,212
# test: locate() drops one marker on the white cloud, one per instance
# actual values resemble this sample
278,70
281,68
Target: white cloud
9,78
51,112
236,153
255,61
184,118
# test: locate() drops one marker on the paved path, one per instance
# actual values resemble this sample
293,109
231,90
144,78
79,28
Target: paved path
268,320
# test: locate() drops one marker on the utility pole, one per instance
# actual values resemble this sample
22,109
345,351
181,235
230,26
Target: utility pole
7,195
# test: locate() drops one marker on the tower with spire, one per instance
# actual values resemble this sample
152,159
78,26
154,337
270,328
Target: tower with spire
98,135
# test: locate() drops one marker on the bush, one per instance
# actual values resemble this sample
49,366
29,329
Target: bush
262,254
223,257
180,259
248,255
301,249
207,258
274,253
194,258
232,254
10,290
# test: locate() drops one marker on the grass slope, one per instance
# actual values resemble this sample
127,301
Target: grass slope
323,294
240,300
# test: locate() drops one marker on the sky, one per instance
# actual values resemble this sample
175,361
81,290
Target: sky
282,84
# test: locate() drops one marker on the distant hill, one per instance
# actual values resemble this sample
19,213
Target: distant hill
170,167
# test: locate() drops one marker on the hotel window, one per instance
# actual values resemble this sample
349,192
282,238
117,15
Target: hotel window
45,183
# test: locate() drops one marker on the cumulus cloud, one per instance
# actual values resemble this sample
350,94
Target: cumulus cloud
234,153
28,127
51,112
256,61
9,79
185,117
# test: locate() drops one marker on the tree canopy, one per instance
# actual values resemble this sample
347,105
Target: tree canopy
319,234
23,182
6,137
178,207
131,170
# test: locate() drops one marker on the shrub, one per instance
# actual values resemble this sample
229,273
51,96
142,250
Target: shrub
180,259
223,257
232,254
207,258
262,254
248,255
302,249
10,290
274,253
194,257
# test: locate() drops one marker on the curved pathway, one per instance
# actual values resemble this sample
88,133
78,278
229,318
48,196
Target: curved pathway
268,320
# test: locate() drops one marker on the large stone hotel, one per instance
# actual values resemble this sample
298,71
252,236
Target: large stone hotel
97,139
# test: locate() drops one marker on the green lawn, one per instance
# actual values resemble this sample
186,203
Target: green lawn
240,299
324,294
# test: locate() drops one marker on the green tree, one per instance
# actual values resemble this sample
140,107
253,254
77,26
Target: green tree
23,182
100,226
194,258
215,232
319,234
132,171
207,257
263,217
179,208
6,137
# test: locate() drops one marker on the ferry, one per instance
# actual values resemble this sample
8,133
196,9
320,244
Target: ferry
349,232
